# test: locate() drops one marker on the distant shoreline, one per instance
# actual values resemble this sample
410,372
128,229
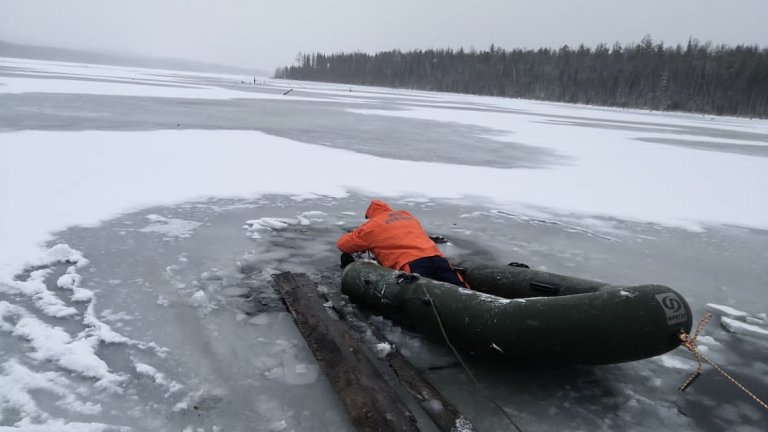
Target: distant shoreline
697,78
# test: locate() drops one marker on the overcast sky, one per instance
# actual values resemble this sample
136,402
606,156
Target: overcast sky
267,34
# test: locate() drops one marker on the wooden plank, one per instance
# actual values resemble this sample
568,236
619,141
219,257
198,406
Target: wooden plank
369,400
443,414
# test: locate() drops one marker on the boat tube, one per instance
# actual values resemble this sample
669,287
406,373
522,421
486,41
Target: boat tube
527,315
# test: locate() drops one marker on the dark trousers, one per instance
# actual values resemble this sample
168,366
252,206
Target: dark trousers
437,268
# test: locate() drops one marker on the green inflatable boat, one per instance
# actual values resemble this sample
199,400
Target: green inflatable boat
527,315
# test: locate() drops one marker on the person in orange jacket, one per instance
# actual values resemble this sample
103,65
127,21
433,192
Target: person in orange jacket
399,242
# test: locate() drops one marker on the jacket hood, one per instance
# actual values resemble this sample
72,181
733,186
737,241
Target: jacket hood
376,208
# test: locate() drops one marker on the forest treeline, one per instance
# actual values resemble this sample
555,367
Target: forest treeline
698,77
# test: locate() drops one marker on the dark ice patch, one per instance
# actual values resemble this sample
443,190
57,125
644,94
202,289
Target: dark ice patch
743,149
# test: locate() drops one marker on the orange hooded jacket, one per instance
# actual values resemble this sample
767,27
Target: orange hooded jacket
394,236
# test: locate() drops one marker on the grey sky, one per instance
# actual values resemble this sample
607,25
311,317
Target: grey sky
266,34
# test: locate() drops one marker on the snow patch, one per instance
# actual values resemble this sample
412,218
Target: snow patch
462,425
315,215
268,224
110,315
35,287
19,384
63,426
674,362
193,399
726,311
71,281
202,302
383,349
55,345
739,327
60,253
157,377
254,226
486,298
171,227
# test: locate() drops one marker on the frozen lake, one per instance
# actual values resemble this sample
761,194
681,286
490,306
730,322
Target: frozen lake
164,316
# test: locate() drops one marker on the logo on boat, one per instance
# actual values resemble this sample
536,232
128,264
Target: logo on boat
673,307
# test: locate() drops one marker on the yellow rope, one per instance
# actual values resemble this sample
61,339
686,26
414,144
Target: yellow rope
689,342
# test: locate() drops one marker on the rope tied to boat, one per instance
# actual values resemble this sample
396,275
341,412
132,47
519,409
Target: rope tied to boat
464,365
689,342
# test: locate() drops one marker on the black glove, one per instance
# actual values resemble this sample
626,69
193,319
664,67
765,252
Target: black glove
438,239
346,259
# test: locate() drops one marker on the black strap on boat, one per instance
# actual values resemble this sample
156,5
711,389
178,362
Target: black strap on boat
460,270
464,365
545,288
404,277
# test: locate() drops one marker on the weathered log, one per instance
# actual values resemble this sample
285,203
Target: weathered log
443,414
369,400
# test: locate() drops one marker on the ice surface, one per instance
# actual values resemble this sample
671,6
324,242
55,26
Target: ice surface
89,194
600,159
132,82
175,325
707,340
279,360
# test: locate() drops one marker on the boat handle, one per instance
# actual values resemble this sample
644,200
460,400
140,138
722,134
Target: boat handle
545,288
